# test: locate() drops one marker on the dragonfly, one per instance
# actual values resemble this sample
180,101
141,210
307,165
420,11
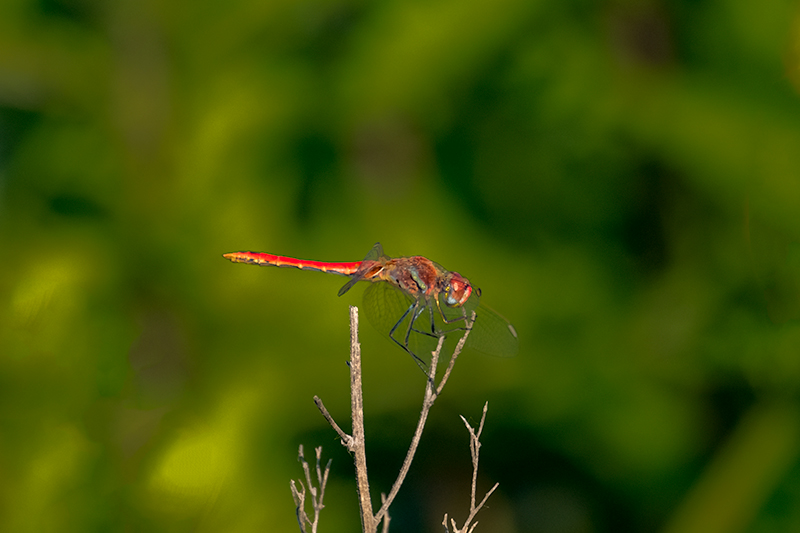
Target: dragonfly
413,298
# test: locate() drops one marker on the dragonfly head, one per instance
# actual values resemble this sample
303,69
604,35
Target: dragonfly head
458,290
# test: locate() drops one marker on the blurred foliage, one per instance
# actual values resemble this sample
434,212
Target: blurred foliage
622,179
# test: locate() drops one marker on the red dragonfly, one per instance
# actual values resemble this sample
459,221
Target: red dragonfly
413,285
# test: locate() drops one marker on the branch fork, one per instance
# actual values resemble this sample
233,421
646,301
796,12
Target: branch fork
474,448
355,443
299,494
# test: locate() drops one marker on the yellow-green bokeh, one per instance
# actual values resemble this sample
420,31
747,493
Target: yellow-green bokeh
621,179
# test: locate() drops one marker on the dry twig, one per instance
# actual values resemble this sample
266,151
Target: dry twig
474,448
299,495
355,442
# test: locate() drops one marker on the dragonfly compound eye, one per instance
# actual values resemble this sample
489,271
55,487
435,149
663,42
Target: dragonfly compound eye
458,291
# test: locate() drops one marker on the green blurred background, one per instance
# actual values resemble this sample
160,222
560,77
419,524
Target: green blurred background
622,179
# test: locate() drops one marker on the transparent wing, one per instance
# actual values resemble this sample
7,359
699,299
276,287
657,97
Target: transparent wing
375,253
491,334
384,305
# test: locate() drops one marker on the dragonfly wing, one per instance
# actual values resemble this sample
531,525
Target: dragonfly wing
376,253
492,334
369,266
349,285
385,304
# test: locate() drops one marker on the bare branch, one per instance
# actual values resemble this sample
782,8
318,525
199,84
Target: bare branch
474,447
322,479
347,440
368,521
299,495
427,403
432,391
300,503
386,518
460,346
355,442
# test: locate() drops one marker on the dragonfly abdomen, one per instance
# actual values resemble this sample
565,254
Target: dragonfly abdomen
264,259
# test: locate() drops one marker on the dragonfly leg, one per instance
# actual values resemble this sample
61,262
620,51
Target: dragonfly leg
452,320
432,333
418,311
414,307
